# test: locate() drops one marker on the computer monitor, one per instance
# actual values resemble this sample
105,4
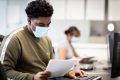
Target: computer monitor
115,70
111,45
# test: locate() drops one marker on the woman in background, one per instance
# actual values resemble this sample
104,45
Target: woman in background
66,50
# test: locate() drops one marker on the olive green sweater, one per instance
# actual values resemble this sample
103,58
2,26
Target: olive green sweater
23,55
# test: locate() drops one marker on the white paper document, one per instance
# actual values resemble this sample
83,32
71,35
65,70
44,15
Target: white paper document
60,67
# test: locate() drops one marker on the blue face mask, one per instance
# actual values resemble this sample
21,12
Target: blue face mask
40,31
75,39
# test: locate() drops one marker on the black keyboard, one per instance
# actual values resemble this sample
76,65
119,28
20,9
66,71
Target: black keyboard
89,78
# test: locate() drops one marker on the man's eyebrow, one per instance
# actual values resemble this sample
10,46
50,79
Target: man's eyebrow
40,24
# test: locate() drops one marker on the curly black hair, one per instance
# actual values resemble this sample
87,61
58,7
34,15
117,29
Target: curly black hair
39,8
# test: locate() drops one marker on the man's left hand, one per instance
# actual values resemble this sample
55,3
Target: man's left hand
76,73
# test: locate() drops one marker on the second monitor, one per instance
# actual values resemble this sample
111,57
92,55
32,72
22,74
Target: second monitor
115,54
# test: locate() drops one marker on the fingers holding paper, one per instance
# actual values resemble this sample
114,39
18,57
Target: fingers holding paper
42,75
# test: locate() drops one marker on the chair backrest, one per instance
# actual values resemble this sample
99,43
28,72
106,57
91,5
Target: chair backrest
1,38
2,73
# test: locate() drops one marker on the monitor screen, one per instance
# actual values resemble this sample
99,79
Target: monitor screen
111,45
115,70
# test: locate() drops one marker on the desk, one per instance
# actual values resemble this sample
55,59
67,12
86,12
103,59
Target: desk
105,74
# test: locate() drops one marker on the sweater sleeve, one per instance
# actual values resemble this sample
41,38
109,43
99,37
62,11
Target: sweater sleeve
12,53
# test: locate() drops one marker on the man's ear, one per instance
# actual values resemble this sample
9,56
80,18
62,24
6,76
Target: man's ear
29,20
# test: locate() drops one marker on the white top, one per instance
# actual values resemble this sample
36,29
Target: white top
66,46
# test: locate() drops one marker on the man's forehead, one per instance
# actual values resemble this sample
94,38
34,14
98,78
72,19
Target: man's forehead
43,20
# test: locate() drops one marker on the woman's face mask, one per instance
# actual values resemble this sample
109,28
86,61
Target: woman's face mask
40,31
75,39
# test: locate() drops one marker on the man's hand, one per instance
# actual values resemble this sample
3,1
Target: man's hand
75,73
42,75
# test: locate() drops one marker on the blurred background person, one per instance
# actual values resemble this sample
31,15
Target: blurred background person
66,49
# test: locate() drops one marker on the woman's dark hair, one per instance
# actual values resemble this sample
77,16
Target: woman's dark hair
71,30
39,8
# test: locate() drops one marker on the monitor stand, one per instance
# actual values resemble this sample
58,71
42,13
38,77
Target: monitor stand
107,67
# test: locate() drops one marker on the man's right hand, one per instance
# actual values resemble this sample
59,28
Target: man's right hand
42,75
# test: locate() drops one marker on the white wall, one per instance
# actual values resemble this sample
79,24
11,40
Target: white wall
68,9
16,16
59,9
75,10
12,15
95,9
114,10
3,7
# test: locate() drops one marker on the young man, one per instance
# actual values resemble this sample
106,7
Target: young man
27,51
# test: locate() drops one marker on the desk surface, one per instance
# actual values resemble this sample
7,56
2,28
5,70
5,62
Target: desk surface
105,74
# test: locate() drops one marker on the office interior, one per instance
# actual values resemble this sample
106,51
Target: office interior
92,17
